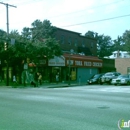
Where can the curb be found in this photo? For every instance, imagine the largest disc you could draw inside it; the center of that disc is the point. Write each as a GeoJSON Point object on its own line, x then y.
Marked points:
{"type": "Point", "coordinates": [43, 86]}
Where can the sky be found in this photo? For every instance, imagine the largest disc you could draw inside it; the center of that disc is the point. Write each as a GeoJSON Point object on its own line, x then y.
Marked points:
{"type": "Point", "coordinates": [108, 17]}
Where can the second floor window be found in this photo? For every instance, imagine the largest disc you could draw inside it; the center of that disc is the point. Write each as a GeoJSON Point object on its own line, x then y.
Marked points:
{"type": "Point", "coordinates": [69, 40]}
{"type": "Point", "coordinates": [114, 54]}
{"type": "Point", "coordinates": [83, 44]}
{"type": "Point", "coordinates": [92, 45]}
{"type": "Point", "coordinates": [62, 39]}
{"type": "Point", "coordinates": [76, 42]}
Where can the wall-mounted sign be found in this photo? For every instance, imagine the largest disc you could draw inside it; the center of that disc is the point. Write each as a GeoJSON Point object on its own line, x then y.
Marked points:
{"type": "Point", "coordinates": [83, 63]}
{"type": "Point", "coordinates": [57, 61]}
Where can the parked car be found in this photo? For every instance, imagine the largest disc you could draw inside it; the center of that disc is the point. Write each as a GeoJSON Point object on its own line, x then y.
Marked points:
{"type": "Point", "coordinates": [107, 77]}
{"type": "Point", "coordinates": [121, 79]}
{"type": "Point", "coordinates": [95, 79]}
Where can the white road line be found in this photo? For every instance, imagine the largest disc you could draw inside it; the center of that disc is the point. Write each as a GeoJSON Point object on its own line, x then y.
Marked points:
{"type": "Point", "coordinates": [124, 90]}
{"type": "Point", "coordinates": [105, 89]}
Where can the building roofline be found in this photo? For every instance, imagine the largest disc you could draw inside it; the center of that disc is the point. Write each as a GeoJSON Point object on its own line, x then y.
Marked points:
{"type": "Point", "coordinates": [80, 34]}
{"type": "Point", "coordinates": [68, 30]}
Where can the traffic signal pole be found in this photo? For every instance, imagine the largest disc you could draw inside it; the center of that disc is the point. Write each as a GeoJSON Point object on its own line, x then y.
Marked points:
{"type": "Point", "coordinates": [7, 62]}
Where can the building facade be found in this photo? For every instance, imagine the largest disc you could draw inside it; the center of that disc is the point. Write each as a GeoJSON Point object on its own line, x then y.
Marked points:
{"type": "Point", "coordinates": [79, 60]}
{"type": "Point", "coordinates": [119, 54]}
{"type": "Point", "coordinates": [122, 65]}
{"type": "Point", "coordinates": [122, 61]}
{"type": "Point", "coordinates": [75, 42]}
{"type": "Point", "coordinates": [76, 68]}
{"type": "Point", "coordinates": [78, 63]}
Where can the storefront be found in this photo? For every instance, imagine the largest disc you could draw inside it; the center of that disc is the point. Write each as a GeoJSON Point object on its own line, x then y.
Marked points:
{"type": "Point", "coordinates": [75, 68]}
{"type": "Point", "coordinates": [57, 66]}
{"type": "Point", "coordinates": [82, 67]}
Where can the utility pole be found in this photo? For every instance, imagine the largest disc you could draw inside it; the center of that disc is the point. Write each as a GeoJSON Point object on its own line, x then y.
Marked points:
{"type": "Point", "coordinates": [7, 17]}
{"type": "Point", "coordinates": [7, 14]}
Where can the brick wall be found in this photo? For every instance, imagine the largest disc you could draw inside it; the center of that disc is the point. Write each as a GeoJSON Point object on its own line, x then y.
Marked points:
{"type": "Point", "coordinates": [122, 64]}
{"type": "Point", "coordinates": [69, 39]}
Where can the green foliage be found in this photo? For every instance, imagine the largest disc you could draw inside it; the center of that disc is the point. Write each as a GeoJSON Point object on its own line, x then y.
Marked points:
{"type": "Point", "coordinates": [126, 40]}
{"type": "Point", "coordinates": [104, 43]}
{"type": "Point", "coordinates": [118, 44]}
{"type": "Point", "coordinates": [42, 30]}
{"type": "Point", "coordinates": [33, 42]}
{"type": "Point", "coordinates": [91, 34]}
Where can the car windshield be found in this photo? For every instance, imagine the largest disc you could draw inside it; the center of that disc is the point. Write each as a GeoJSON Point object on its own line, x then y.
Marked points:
{"type": "Point", "coordinates": [123, 76]}
{"type": "Point", "coordinates": [96, 76]}
{"type": "Point", "coordinates": [108, 74]}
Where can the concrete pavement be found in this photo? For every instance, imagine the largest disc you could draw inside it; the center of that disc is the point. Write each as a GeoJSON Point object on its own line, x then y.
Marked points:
{"type": "Point", "coordinates": [70, 108]}
{"type": "Point", "coordinates": [44, 85]}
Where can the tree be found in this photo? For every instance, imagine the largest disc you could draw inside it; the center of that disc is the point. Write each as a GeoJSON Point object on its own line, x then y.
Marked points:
{"type": "Point", "coordinates": [41, 39]}
{"type": "Point", "coordinates": [91, 34]}
{"type": "Point", "coordinates": [42, 30]}
{"type": "Point", "coordinates": [126, 40]}
{"type": "Point", "coordinates": [26, 33]}
{"type": "Point", "coordinates": [118, 44]}
{"type": "Point", "coordinates": [2, 34]}
{"type": "Point", "coordinates": [104, 43]}
{"type": "Point", "coordinates": [104, 46]}
{"type": "Point", "coordinates": [2, 40]}
{"type": "Point", "coordinates": [33, 43]}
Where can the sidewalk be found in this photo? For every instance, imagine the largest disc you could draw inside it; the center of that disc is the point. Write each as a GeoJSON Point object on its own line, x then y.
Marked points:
{"type": "Point", "coordinates": [44, 85]}
{"type": "Point", "coordinates": [55, 85]}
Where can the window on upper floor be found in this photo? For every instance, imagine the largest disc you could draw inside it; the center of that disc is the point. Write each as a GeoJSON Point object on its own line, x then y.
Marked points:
{"type": "Point", "coordinates": [83, 43]}
{"type": "Point", "coordinates": [91, 44]}
{"type": "Point", "coordinates": [114, 54]}
{"type": "Point", "coordinates": [69, 40]}
{"type": "Point", "coordinates": [62, 39]}
{"type": "Point", "coordinates": [75, 42]}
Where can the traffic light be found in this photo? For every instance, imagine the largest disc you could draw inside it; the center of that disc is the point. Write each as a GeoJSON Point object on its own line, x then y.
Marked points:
{"type": "Point", "coordinates": [5, 46]}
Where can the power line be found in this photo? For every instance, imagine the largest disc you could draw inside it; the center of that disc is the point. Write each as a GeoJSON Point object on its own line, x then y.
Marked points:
{"type": "Point", "coordinates": [97, 21]}
{"type": "Point", "coordinates": [62, 15]}
{"type": "Point", "coordinates": [90, 21]}
{"type": "Point", "coordinates": [7, 4]}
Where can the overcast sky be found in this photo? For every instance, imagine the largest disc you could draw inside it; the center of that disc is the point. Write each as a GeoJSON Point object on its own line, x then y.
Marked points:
{"type": "Point", "coordinates": [75, 15]}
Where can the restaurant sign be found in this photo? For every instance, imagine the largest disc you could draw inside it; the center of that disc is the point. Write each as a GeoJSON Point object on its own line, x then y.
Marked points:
{"type": "Point", "coordinates": [57, 61]}
{"type": "Point", "coordinates": [84, 63]}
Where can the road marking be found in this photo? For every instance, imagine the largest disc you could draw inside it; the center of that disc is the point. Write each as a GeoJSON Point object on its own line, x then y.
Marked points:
{"type": "Point", "coordinates": [104, 89]}
{"type": "Point", "coordinates": [115, 89]}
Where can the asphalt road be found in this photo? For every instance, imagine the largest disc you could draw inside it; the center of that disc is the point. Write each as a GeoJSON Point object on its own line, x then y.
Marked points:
{"type": "Point", "coordinates": [91, 107]}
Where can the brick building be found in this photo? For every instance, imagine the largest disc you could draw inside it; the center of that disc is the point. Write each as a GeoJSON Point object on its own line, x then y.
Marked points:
{"type": "Point", "coordinates": [70, 40]}
{"type": "Point", "coordinates": [122, 61]}
{"type": "Point", "coordinates": [122, 65]}
{"type": "Point", "coordinates": [79, 61]}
